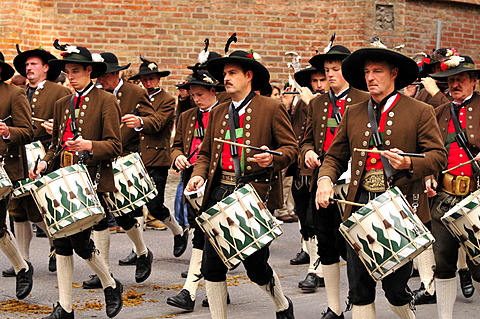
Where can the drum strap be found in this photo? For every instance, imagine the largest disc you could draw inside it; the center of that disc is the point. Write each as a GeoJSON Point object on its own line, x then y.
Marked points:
{"type": "Point", "coordinates": [335, 112]}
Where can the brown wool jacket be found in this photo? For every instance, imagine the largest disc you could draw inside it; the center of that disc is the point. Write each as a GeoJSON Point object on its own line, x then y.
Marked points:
{"type": "Point", "coordinates": [98, 121]}
{"type": "Point", "coordinates": [317, 123]}
{"type": "Point", "coordinates": [155, 145]}
{"type": "Point", "coordinates": [14, 102]}
{"type": "Point", "coordinates": [410, 126]}
{"type": "Point", "coordinates": [266, 123]}
{"type": "Point", "coordinates": [436, 100]}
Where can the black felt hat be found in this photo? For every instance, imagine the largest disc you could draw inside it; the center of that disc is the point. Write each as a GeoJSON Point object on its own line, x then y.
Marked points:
{"type": "Point", "coordinates": [22, 57]}
{"type": "Point", "coordinates": [337, 52]}
{"type": "Point", "coordinates": [111, 61]}
{"type": "Point", "coordinates": [149, 67]}
{"type": "Point", "coordinates": [78, 55]}
{"type": "Point", "coordinates": [203, 78]}
{"type": "Point", "coordinates": [354, 73]}
{"type": "Point", "coordinates": [204, 57]}
{"type": "Point", "coordinates": [455, 65]}
{"type": "Point", "coordinates": [304, 76]}
{"type": "Point", "coordinates": [7, 71]}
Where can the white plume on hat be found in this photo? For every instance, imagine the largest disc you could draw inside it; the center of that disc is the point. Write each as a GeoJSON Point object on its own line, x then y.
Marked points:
{"type": "Point", "coordinates": [97, 57]}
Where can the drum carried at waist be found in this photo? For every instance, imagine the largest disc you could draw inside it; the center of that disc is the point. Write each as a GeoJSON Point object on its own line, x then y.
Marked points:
{"type": "Point", "coordinates": [386, 233]}
{"type": "Point", "coordinates": [67, 201]}
{"type": "Point", "coordinates": [133, 186]}
{"type": "Point", "coordinates": [5, 183]}
{"type": "Point", "coordinates": [33, 151]}
{"type": "Point", "coordinates": [341, 187]}
{"type": "Point", "coordinates": [463, 222]}
{"type": "Point", "coordinates": [195, 198]}
{"type": "Point", "coordinates": [239, 225]}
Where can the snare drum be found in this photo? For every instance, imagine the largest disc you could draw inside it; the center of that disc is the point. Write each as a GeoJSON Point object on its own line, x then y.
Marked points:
{"type": "Point", "coordinates": [239, 225]}
{"type": "Point", "coordinates": [196, 197]}
{"type": "Point", "coordinates": [67, 200]}
{"type": "Point", "coordinates": [33, 150]}
{"type": "Point", "coordinates": [386, 234]}
{"type": "Point", "coordinates": [5, 183]}
{"type": "Point", "coordinates": [341, 188]}
{"type": "Point", "coordinates": [463, 222]}
{"type": "Point", "coordinates": [133, 186]}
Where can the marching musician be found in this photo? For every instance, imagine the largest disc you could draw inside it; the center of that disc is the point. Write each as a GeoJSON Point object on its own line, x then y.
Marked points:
{"type": "Point", "coordinates": [311, 81]}
{"type": "Point", "coordinates": [42, 93]}
{"type": "Point", "coordinates": [16, 131]}
{"type": "Point", "coordinates": [137, 116]}
{"type": "Point", "coordinates": [189, 135]}
{"type": "Point", "coordinates": [458, 124]}
{"type": "Point", "coordinates": [392, 123]}
{"type": "Point", "coordinates": [85, 128]}
{"type": "Point", "coordinates": [253, 120]}
{"type": "Point", "coordinates": [324, 115]}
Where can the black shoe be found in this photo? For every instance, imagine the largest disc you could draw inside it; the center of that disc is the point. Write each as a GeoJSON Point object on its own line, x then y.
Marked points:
{"type": "Point", "coordinates": [182, 300]}
{"type": "Point", "coordinates": [60, 313]}
{"type": "Point", "coordinates": [311, 283]}
{"type": "Point", "coordinates": [113, 299]}
{"type": "Point", "coordinates": [144, 266]}
{"type": "Point", "coordinates": [24, 281]}
{"type": "Point", "coordinates": [93, 283]}
{"type": "Point", "coordinates": [10, 272]}
{"type": "Point", "coordinates": [466, 283]}
{"type": "Point", "coordinates": [206, 304]}
{"type": "Point", "coordinates": [40, 233]}
{"type": "Point", "coordinates": [131, 259]}
{"type": "Point", "coordinates": [329, 314]}
{"type": "Point", "coordinates": [180, 243]}
{"type": "Point", "coordinates": [184, 274]}
{"type": "Point", "coordinates": [302, 258]}
{"type": "Point", "coordinates": [288, 313]}
{"type": "Point", "coordinates": [422, 297]}
{"type": "Point", "coordinates": [52, 260]}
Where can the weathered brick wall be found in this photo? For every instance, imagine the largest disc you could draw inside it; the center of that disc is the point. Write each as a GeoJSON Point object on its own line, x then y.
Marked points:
{"type": "Point", "coordinates": [172, 32]}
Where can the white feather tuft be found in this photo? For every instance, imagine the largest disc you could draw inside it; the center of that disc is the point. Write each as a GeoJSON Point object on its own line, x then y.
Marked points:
{"type": "Point", "coordinates": [203, 56]}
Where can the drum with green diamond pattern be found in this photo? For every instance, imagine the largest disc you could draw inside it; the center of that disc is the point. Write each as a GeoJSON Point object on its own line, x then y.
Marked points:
{"type": "Point", "coordinates": [33, 151]}
{"type": "Point", "coordinates": [463, 222]}
{"type": "Point", "coordinates": [386, 233]}
{"type": "Point", "coordinates": [239, 225]}
{"type": "Point", "coordinates": [5, 183]}
{"type": "Point", "coordinates": [67, 200]}
{"type": "Point", "coordinates": [133, 186]}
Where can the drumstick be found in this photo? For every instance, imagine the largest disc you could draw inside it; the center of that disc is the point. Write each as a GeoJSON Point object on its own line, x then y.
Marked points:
{"type": "Point", "coordinates": [36, 164]}
{"type": "Point", "coordinates": [459, 165]}
{"type": "Point", "coordinates": [38, 119]}
{"type": "Point", "coordinates": [379, 152]}
{"type": "Point", "coordinates": [248, 146]}
{"type": "Point", "coordinates": [7, 118]}
{"type": "Point", "coordinates": [346, 202]}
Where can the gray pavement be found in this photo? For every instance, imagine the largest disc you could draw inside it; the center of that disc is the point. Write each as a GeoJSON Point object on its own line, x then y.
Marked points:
{"type": "Point", "coordinates": [248, 301]}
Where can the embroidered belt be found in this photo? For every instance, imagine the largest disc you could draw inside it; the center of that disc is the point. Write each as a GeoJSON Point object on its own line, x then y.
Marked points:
{"type": "Point", "coordinates": [228, 178]}
{"type": "Point", "coordinates": [457, 185]}
{"type": "Point", "coordinates": [374, 181]}
{"type": "Point", "coordinates": [66, 159]}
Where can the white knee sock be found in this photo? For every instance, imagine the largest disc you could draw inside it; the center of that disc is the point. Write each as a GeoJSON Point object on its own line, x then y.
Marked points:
{"type": "Point", "coordinates": [332, 287]}
{"type": "Point", "coordinates": [44, 228]}
{"type": "Point", "coordinates": [172, 223]}
{"type": "Point", "coordinates": [24, 234]}
{"type": "Point", "coordinates": [101, 238]}
{"type": "Point", "coordinates": [9, 247]}
{"type": "Point", "coordinates": [65, 279]}
{"type": "Point", "coordinates": [403, 312]}
{"type": "Point", "coordinates": [425, 261]}
{"type": "Point", "coordinates": [304, 244]}
{"type": "Point", "coordinates": [312, 249]}
{"type": "Point", "coordinates": [364, 312]}
{"type": "Point", "coordinates": [446, 295]}
{"type": "Point", "coordinates": [136, 236]}
{"type": "Point", "coordinates": [281, 303]}
{"type": "Point", "coordinates": [194, 274]}
{"type": "Point", "coordinates": [462, 259]}
{"type": "Point", "coordinates": [217, 298]}
{"type": "Point", "coordinates": [99, 267]}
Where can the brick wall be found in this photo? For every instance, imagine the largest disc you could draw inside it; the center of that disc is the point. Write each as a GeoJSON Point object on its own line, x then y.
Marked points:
{"type": "Point", "coordinates": [172, 32]}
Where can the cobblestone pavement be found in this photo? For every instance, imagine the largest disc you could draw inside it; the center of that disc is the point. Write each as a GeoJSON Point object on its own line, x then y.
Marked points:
{"type": "Point", "coordinates": [147, 300]}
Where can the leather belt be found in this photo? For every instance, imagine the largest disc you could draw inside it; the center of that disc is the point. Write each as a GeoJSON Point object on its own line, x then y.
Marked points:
{"type": "Point", "coordinates": [66, 159]}
{"type": "Point", "coordinates": [228, 178]}
{"type": "Point", "coordinates": [374, 181]}
{"type": "Point", "coordinates": [457, 185]}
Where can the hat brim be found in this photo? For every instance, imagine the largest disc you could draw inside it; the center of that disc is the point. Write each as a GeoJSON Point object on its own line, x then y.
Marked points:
{"type": "Point", "coordinates": [354, 73]}
{"type": "Point", "coordinates": [20, 60]}
{"type": "Point", "coordinates": [98, 68]}
{"type": "Point", "coordinates": [304, 77]}
{"type": "Point", "coordinates": [261, 76]}
{"type": "Point", "coordinates": [318, 60]}
{"type": "Point", "coordinates": [162, 74]}
{"type": "Point", "coordinates": [7, 71]}
{"type": "Point", "coordinates": [116, 68]}
{"type": "Point", "coordinates": [186, 86]}
{"type": "Point", "coordinates": [453, 71]}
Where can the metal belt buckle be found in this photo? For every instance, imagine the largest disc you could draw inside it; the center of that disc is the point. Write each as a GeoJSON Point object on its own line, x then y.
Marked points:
{"type": "Point", "coordinates": [67, 159]}
{"type": "Point", "coordinates": [462, 181]}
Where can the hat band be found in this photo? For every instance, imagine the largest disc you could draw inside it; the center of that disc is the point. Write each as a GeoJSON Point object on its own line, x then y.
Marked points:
{"type": "Point", "coordinates": [468, 65]}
